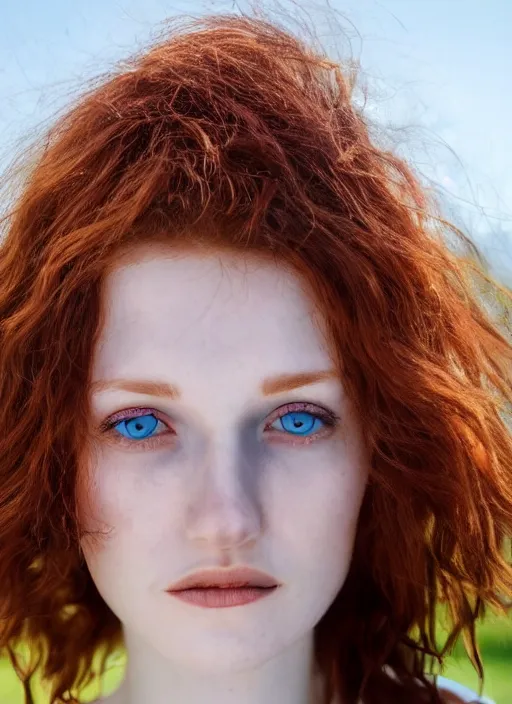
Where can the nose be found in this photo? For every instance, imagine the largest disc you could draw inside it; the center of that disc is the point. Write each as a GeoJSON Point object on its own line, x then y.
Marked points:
{"type": "Point", "coordinates": [224, 510]}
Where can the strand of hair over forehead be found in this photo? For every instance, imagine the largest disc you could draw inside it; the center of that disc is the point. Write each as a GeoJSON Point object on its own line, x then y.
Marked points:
{"type": "Point", "coordinates": [232, 133]}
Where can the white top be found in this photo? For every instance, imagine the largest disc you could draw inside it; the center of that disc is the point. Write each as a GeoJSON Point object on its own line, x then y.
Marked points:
{"type": "Point", "coordinates": [466, 694]}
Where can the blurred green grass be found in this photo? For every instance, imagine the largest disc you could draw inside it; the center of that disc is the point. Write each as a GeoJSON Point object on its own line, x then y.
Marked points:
{"type": "Point", "coordinates": [495, 641]}
{"type": "Point", "coordinates": [494, 637]}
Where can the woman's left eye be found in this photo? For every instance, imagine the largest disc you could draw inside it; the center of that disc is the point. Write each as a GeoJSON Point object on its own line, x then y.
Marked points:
{"type": "Point", "coordinates": [303, 420]}
{"type": "Point", "coordinates": [139, 427]}
{"type": "Point", "coordinates": [299, 423]}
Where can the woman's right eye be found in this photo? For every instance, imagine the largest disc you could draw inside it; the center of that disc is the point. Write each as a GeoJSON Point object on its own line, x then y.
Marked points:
{"type": "Point", "coordinates": [137, 428]}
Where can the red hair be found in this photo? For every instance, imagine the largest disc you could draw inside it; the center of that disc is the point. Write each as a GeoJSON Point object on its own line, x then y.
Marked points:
{"type": "Point", "coordinates": [231, 132]}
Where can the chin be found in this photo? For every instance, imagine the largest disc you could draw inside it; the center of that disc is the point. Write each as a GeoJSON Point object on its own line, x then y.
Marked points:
{"type": "Point", "coordinates": [220, 653]}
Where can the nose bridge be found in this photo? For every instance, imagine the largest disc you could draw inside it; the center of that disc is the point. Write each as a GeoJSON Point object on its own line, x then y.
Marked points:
{"type": "Point", "coordinates": [224, 507]}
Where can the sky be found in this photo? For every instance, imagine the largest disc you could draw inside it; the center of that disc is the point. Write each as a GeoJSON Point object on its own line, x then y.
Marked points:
{"type": "Point", "coordinates": [438, 73]}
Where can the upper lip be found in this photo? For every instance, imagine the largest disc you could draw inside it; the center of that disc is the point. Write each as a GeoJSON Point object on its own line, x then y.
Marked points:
{"type": "Point", "coordinates": [236, 577]}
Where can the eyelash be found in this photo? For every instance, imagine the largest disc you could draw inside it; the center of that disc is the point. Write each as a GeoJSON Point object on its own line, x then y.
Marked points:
{"type": "Point", "coordinates": [328, 418]}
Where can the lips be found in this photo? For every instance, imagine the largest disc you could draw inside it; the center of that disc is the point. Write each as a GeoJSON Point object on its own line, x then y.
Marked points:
{"type": "Point", "coordinates": [234, 578]}
{"type": "Point", "coordinates": [217, 589]}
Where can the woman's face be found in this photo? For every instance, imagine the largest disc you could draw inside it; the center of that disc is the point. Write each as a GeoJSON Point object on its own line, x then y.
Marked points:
{"type": "Point", "coordinates": [232, 459]}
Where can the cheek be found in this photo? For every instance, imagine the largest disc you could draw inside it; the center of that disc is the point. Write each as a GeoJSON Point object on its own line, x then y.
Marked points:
{"type": "Point", "coordinates": [318, 509]}
{"type": "Point", "coordinates": [114, 544]}
{"type": "Point", "coordinates": [98, 502]}
{"type": "Point", "coordinates": [324, 509]}
{"type": "Point", "coordinates": [106, 502]}
{"type": "Point", "coordinates": [128, 506]}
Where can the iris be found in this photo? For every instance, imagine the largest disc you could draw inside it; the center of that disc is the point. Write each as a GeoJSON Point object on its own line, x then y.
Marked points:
{"type": "Point", "coordinates": [299, 423]}
{"type": "Point", "coordinates": [137, 428]}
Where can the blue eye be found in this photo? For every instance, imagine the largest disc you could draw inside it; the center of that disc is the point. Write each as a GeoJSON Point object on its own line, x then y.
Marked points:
{"type": "Point", "coordinates": [297, 422]}
{"type": "Point", "coordinates": [138, 428]}
{"type": "Point", "coordinates": [300, 423]}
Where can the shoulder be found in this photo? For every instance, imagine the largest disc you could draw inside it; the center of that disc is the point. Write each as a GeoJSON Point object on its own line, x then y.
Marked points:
{"type": "Point", "coordinates": [464, 694]}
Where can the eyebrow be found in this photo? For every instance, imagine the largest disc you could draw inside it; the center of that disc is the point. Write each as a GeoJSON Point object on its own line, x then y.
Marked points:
{"type": "Point", "coordinates": [272, 385]}
{"type": "Point", "coordinates": [137, 386]}
{"type": "Point", "coordinates": [286, 382]}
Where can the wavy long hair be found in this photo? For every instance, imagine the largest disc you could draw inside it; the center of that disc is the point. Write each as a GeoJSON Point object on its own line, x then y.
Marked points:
{"type": "Point", "coordinates": [231, 132]}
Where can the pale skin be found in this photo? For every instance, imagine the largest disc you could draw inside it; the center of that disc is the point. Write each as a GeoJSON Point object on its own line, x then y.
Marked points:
{"type": "Point", "coordinates": [219, 342]}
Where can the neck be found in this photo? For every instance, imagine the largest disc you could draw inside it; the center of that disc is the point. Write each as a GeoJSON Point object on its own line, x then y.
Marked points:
{"type": "Point", "coordinates": [151, 679]}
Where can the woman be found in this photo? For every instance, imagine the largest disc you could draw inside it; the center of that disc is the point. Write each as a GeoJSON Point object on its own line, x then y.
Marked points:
{"type": "Point", "coordinates": [254, 418]}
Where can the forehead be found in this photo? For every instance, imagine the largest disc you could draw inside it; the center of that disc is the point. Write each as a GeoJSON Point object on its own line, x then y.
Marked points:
{"type": "Point", "coordinates": [192, 310]}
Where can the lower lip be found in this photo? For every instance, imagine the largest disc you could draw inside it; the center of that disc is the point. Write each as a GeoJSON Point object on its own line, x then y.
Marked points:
{"type": "Point", "coordinates": [221, 598]}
